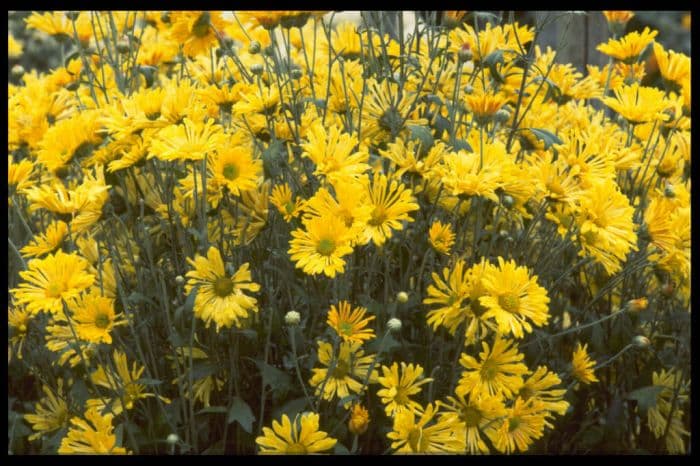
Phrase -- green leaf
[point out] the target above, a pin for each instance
(147, 381)
(461, 144)
(545, 136)
(213, 409)
(423, 135)
(241, 413)
(272, 376)
(272, 159)
(201, 370)
(645, 396)
(340, 449)
(291, 408)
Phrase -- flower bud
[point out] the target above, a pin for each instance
(172, 439)
(636, 305)
(502, 116)
(292, 318)
(17, 71)
(507, 201)
(394, 324)
(256, 68)
(296, 73)
(123, 46)
(254, 47)
(667, 289)
(465, 53)
(640, 341)
(669, 191)
(468, 89)
(402, 297)
(359, 420)
(180, 280)
(72, 15)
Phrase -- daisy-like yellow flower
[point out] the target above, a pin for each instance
(423, 435)
(673, 66)
(474, 416)
(638, 104)
(524, 423)
(234, 167)
(94, 318)
(350, 369)
(287, 205)
(582, 365)
(47, 242)
(51, 412)
(18, 319)
(606, 226)
(187, 141)
(359, 420)
(221, 297)
(474, 173)
(19, 175)
(391, 201)
(334, 153)
(617, 20)
(202, 388)
(194, 30)
(92, 435)
(349, 204)
(14, 47)
(500, 370)
(629, 47)
(51, 280)
(257, 100)
(300, 437)
(539, 387)
(514, 299)
(60, 339)
(320, 247)
(441, 237)
(658, 415)
(123, 385)
(397, 389)
(484, 105)
(350, 324)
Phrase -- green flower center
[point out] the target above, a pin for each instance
(378, 216)
(230, 171)
(471, 416)
(513, 423)
(509, 302)
(200, 28)
(102, 320)
(289, 207)
(325, 247)
(525, 393)
(346, 328)
(342, 368)
(223, 286)
(54, 290)
(489, 369)
(296, 449)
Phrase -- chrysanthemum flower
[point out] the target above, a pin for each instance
(348, 204)
(397, 389)
(194, 30)
(50, 281)
(60, 339)
(524, 423)
(514, 299)
(629, 47)
(359, 420)
(423, 435)
(474, 173)
(474, 416)
(638, 104)
(256, 100)
(287, 205)
(441, 237)
(122, 383)
(673, 66)
(92, 435)
(19, 175)
(321, 247)
(391, 202)
(300, 437)
(539, 386)
(499, 371)
(234, 167)
(350, 369)
(51, 412)
(606, 225)
(18, 319)
(94, 318)
(221, 297)
(47, 242)
(350, 324)
(582, 365)
(658, 415)
(202, 388)
(484, 104)
(334, 153)
(385, 113)
(187, 141)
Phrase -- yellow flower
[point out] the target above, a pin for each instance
(51, 412)
(221, 297)
(19, 175)
(629, 47)
(397, 389)
(441, 237)
(285, 202)
(499, 371)
(484, 104)
(349, 370)
(123, 383)
(391, 203)
(48, 242)
(539, 388)
(359, 420)
(350, 324)
(194, 30)
(257, 100)
(299, 437)
(349, 204)
(94, 318)
(51, 280)
(14, 47)
(202, 388)
(474, 173)
(423, 435)
(617, 20)
(582, 365)
(18, 319)
(513, 299)
(234, 167)
(673, 66)
(187, 141)
(60, 339)
(658, 415)
(474, 416)
(524, 423)
(385, 113)
(94, 435)
(334, 153)
(638, 104)
(321, 247)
